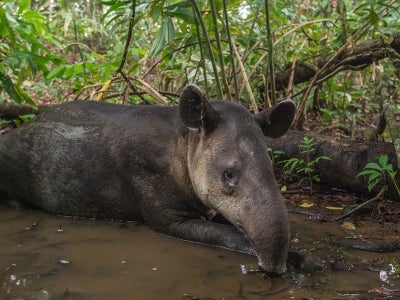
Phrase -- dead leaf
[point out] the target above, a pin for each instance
(348, 226)
(334, 207)
(305, 203)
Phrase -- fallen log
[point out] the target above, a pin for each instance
(357, 57)
(348, 158)
(12, 110)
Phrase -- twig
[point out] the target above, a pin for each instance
(230, 41)
(168, 55)
(377, 197)
(245, 78)
(150, 90)
(78, 44)
(219, 49)
(270, 61)
(291, 79)
(200, 19)
(128, 38)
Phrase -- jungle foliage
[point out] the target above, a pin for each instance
(145, 51)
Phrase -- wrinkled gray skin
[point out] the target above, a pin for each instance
(167, 166)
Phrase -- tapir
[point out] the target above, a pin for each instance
(171, 167)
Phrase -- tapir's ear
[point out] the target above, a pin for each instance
(194, 109)
(275, 121)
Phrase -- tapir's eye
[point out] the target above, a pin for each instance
(228, 175)
(229, 181)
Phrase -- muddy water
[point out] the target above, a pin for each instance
(50, 257)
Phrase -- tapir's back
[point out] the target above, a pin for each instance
(77, 158)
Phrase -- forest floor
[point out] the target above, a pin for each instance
(375, 227)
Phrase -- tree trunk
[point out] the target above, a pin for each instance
(348, 158)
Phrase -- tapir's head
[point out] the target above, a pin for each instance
(231, 171)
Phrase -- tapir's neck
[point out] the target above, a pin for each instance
(180, 165)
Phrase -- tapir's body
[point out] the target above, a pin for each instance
(166, 166)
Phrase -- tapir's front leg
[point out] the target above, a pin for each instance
(189, 226)
(205, 232)
(225, 236)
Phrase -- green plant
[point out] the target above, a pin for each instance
(380, 173)
(275, 155)
(26, 45)
(18, 121)
(304, 167)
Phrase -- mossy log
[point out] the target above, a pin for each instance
(348, 158)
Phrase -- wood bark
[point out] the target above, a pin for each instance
(348, 158)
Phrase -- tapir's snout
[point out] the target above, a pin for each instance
(268, 230)
(274, 273)
(271, 270)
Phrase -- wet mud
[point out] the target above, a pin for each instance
(43, 256)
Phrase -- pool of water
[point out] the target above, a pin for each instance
(43, 256)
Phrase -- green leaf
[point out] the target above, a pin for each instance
(292, 162)
(116, 6)
(308, 170)
(375, 176)
(373, 166)
(23, 5)
(316, 178)
(10, 88)
(372, 184)
(373, 17)
(383, 160)
(165, 34)
(368, 172)
(180, 10)
(5, 28)
(69, 71)
(322, 158)
(27, 117)
(78, 68)
(158, 43)
(169, 30)
(56, 72)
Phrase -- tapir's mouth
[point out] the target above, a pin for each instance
(271, 259)
(270, 247)
(270, 268)
(273, 273)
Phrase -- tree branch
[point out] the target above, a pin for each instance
(128, 37)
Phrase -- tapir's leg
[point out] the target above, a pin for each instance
(227, 236)
(205, 232)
